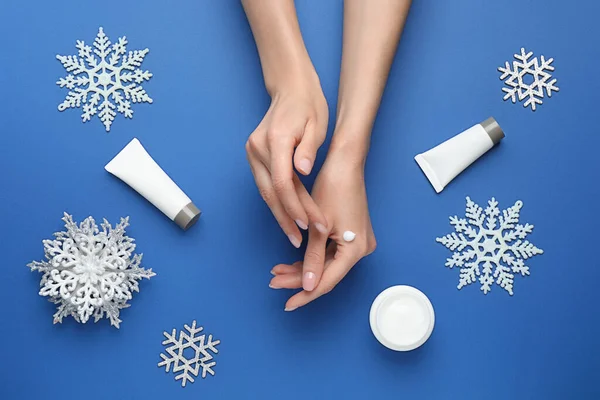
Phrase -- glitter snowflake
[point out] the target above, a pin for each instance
(489, 246)
(190, 366)
(535, 71)
(104, 78)
(90, 271)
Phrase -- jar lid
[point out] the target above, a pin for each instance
(402, 318)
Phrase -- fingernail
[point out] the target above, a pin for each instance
(290, 309)
(305, 165)
(274, 287)
(273, 272)
(301, 224)
(309, 281)
(294, 241)
(321, 228)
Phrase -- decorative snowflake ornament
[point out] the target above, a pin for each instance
(528, 79)
(200, 347)
(489, 246)
(90, 271)
(104, 78)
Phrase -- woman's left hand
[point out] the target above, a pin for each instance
(340, 193)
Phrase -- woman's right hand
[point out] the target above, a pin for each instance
(289, 135)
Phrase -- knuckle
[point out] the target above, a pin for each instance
(312, 257)
(273, 137)
(267, 195)
(319, 135)
(252, 144)
(280, 184)
(371, 247)
(279, 136)
(276, 130)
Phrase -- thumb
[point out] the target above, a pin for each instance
(306, 151)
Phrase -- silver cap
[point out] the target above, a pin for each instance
(187, 216)
(493, 130)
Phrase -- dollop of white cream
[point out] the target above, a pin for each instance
(349, 236)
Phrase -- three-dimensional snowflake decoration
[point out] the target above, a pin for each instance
(200, 346)
(90, 271)
(489, 246)
(528, 78)
(104, 78)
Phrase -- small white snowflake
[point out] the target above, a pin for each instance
(90, 271)
(190, 366)
(489, 245)
(103, 74)
(537, 71)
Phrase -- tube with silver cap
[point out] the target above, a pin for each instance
(445, 161)
(134, 166)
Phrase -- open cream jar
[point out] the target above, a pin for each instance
(402, 318)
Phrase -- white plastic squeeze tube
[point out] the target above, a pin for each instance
(134, 166)
(445, 161)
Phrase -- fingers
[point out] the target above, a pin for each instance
(274, 148)
(315, 216)
(287, 281)
(263, 181)
(296, 268)
(334, 273)
(314, 259)
(282, 269)
(282, 174)
(306, 152)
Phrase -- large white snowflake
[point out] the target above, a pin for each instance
(189, 366)
(488, 246)
(104, 78)
(528, 79)
(90, 271)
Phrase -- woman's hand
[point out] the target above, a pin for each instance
(289, 135)
(371, 33)
(297, 118)
(340, 193)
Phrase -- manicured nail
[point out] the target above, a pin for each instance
(305, 165)
(273, 272)
(294, 241)
(301, 224)
(309, 281)
(274, 287)
(321, 228)
(290, 309)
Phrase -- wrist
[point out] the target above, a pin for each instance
(290, 74)
(350, 145)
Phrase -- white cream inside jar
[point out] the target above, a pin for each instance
(402, 318)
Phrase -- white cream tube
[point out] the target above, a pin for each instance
(134, 166)
(445, 161)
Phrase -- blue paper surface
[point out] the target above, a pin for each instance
(208, 96)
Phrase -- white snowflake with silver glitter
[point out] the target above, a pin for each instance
(489, 246)
(103, 79)
(539, 79)
(90, 271)
(201, 346)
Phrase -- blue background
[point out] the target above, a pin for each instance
(208, 96)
